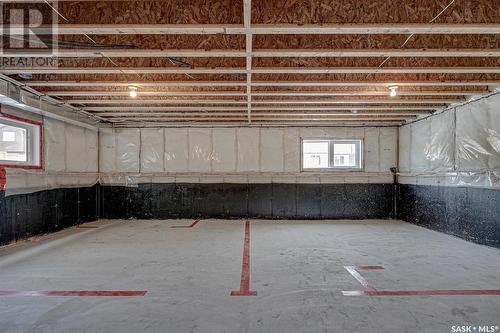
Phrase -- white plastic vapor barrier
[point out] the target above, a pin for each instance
(457, 147)
(152, 143)
(70, 160)
(131, 156)
(176, 150)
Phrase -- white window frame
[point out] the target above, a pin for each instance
(33, 142)
(331, 141)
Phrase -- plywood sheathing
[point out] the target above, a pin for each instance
(163, 42)
(376, 61)
(153, 12)
(335, 42)
(369, 11)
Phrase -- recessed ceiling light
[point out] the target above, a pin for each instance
(132, 91)
(393, 91)
(25, 76)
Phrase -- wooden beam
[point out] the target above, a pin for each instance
(381, 28)
(126, 53)
(270, 123)
(120, 70)
(156, 53)
(147, 93)
(371, 83)
(216, 93)
(423, 109)
(261, 70)
(258, 83)
(267, 29)
(288, 101)
(138, 84)
(180, 114)
(247, 22)
(242, 118)
(377, 53)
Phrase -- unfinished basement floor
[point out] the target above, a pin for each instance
(309, 276)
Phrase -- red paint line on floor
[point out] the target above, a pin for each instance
(361, 279)
(369, 267)
(195, 222)
(79, 226)
(77, 293)
(245, 267)
(421, 292)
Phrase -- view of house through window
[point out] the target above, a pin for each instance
(19, 142)
(331, 154)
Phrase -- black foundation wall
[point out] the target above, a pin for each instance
(467, 212)
(26, 215)
(274, 201)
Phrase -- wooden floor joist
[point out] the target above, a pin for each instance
(267, 83)
(268, 29)
(423, 109)
(216, 93)
(279, 53)
(288, 101)
(261, 70)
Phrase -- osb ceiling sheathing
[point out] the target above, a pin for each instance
(222, 62)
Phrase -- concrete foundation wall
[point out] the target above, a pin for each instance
(271, 200)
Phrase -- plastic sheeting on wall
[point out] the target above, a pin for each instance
(152, 148)
(440, 149)
(224, 150)
(127, 150)
(55, 145)
(70, 160)
(271, 150)
(200, 149)
(478, 135)
(176, 149)
(462, 145)
(234, 154)
(248, 143)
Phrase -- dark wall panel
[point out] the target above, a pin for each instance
(468, 212)
(298, 201)
(26, 215)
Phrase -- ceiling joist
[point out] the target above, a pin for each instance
(220, 93)
(268, 83)
(279, 53)
(260, 70)
(266, 29)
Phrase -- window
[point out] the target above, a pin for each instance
(331, 154)
(19, 142)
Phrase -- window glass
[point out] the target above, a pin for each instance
(332, 154)
(344, 154)
(315, 154)
(19, 142)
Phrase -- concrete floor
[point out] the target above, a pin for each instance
(297, 269)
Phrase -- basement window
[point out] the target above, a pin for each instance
(331, 154)
(19, 142)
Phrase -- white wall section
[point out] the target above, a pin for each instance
(235, 154)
